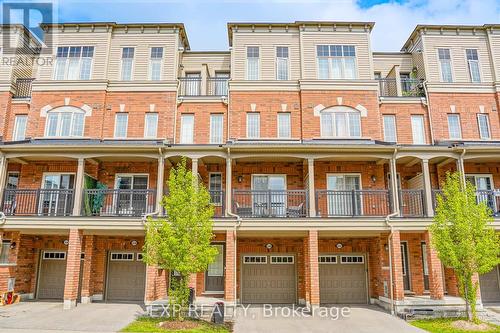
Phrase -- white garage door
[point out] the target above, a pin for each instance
(342, 279)
(268, 279)
(126, 280)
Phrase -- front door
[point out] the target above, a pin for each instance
(214, 276)
(128, 201)
(343, 195)
(56, 197)
(425, 267)
(269, 195)
(405, 264)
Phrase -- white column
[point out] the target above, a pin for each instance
(228, 193)
(461, 170)
(394, 184)
(77, 207)
(399, 88)
(3, 174)
(427, 188)
(194, 170)
(160, 183)
(312, 191)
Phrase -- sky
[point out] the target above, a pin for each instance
(205, 21)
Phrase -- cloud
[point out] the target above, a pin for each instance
(206, 20)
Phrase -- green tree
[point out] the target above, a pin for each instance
(181, 241)
(463, 236)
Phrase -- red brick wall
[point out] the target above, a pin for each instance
(403, 113)
(292, 170)
(415, 261)
(201, 112)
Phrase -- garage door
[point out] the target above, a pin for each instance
(51, 275)
(490, 286)
(126, 278)
(342, 279)
(268, 279)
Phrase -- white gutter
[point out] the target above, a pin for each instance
(431, 131)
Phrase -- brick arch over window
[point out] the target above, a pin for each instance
(340, 122)
(65, 121)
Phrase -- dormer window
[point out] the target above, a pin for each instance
(65, 122)
(340, 122)
(73, 63)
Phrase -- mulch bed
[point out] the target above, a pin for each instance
(468, 326)
(179, 325)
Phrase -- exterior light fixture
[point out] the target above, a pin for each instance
(133, 242)
(13, 245)
(374, 178)
(240, 178)
(339, 245)
(269, 246)
(66, 242)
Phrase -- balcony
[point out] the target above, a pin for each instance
(283, 204)
(38, 202)
(23, 88)
(373, 203)
(490, 197)
(218, 200)
(118, 202)
(411, 203)
(390, 87)
(197, 87)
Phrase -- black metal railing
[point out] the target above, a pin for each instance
(490, 197)
(190, 86)
(285, 203)
(23, 88)
(218, 199)
(217, 86)
(39, 202)
(353, 203)
(411, 203)
(388, 87)
(193, 86)
(118, 202)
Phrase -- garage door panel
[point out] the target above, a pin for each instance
(51, 276)
(126, 280)
(489, 286)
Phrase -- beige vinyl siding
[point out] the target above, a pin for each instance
(359, 39)
(195, 62)
(457, 45)
(97, 39)
(267, 42)
(495, 50)
(142, 43)
(6, 70)
(384, 63)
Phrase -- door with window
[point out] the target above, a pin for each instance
(269, 195)
(425, 267)
(56, 196)
(131, 198)
(192, 84)
(484, 187)
(405, 265)
(9, 200)
(343, 195)
(214, 276)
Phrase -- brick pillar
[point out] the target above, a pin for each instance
(313, 268)
(397, 267)
(72, 268)
(230, 267)
(87, 283)
(193, 280)
(435, 270)
(156, 283)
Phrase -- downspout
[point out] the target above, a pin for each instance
(462, 168)
(3, 218)
(145, 216)
(431, 131)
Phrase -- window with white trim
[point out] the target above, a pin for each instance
(336, 61)
(327, 259)
(417, 129)
(215, 188)
(65, 122)
(54, 255)
(4, 251)
(216, 268)
(390, 134)
(253, 59)
(73, 63)
(255, 259)
(139, 256)
(187, 128)
(282, 63)
(127, 63)
(155, 62)
(284, 125)
(20, 123)
(352, 259)
(151, 125)
(473, 64)
(121, 125)
(342, 123)
(253, 125)
(282, 260)
(483, 122)
(122, 256)
(454, 129)
(216, 128)
(445, 65)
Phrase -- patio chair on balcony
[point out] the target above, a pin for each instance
(243, 210)
(295, 211)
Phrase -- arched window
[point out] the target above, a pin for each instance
(340, 122)
(66, 121)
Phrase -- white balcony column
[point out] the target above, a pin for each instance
(394, 185)
(461, 170)
(194, 170)
(160, 183)
(3, 175)
(312, 191)
(427, 188)
(80, 173)
(399, 88)
(229, 198)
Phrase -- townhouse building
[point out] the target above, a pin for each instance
(323, 159)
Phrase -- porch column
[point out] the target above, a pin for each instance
(230, 267)
(399, 88)
(397, 266)
(312, 191)
(394, 185)
(77, 202)
(435, 269)
(3, 175)
(229, 198)
(87, 269)
(461, 170)
(427, 188)
(160, 183)
(312, 269)
(194, 170)
(72, 268)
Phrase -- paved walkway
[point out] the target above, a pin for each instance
(491, 313)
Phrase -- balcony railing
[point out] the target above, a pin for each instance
(194, 87)
(23, 88)
(286, 203)
(411, 203)
(490, 197)
(39, 202)
(118, 202)
(353, 203)
(217, 86)
(218, 199)
(388, 87)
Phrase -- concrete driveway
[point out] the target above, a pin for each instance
(362, 319)
(50, 316)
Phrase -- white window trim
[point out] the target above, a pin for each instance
(146, 125)
(419, 116)
(259, 74)
(79, 64)
(248, 127)
(15, 131)
(482, 175)
(255, 263)
(334, 257)
(54, 251)
(479, 115)
(478, 65)
(276, 62)
(183, 116)
(395, 126)
(333, 124)
(278, 125)
(118, 175)
(122, 253)
(138, 254)
(115, 136)
(267, 175)
(459, 126)
(282, 263)
(150, 67)
(439, 65)
(221, 183)
(352, 263)
(330, 74)
(58, 127)
(132, 69)
(210, 128)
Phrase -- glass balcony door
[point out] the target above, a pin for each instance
(342, 200)
(269, 195)
(55, 197)
(484, 186)
(130, 198)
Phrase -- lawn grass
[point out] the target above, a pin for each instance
(150, 325)
(443, 325)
